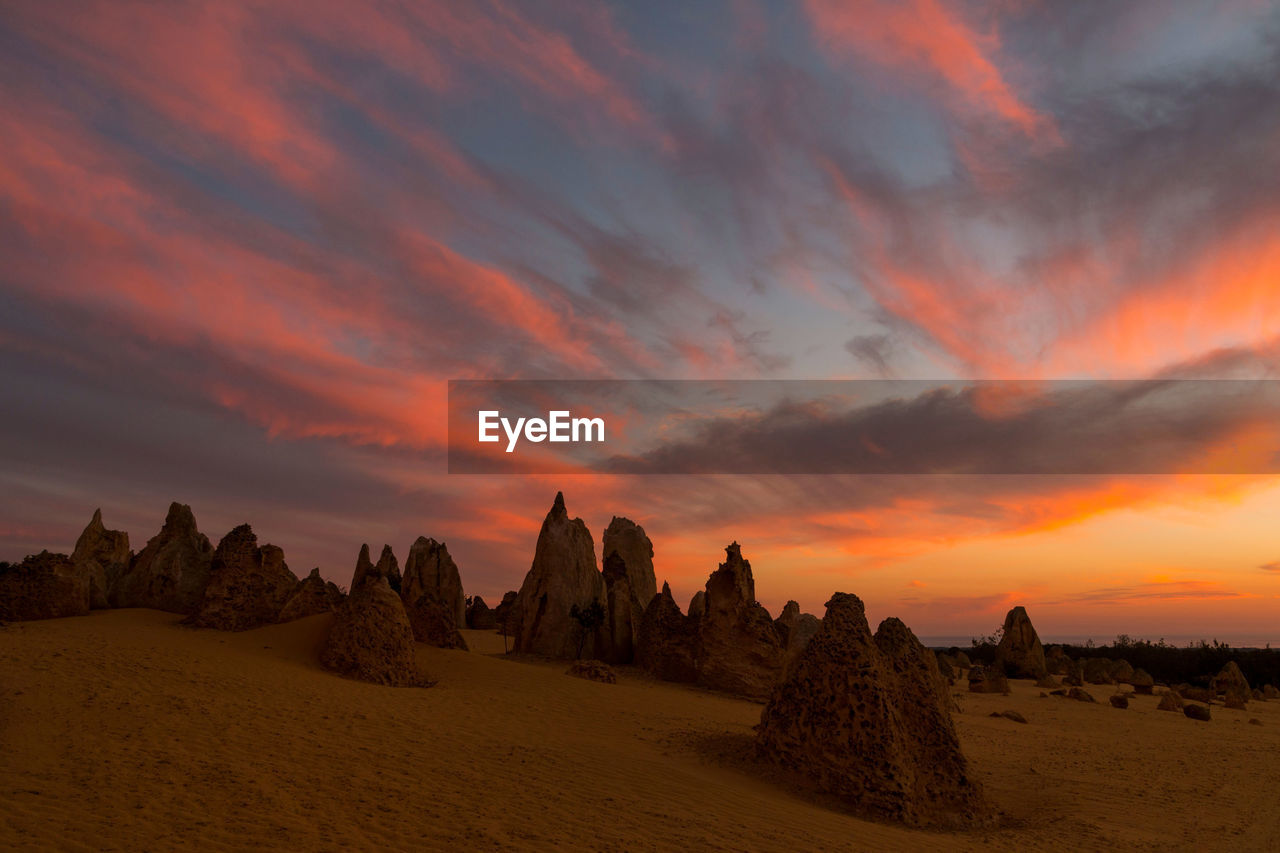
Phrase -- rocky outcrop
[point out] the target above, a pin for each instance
(479, 616)
(43, 586)
(432, 593)
(797, 630)
(740, 650)
(563, 576)
(103, 556)
(248, 586)
(1231, 684)
(1020, 654)
(592, 670)
(867, 719)
(371, 639)
(311, 596)
(171, 571)
(667, 641)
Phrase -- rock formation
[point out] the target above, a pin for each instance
(563, 575)
(171, 571)
(43, 586)
(592, 670)
(1020, 654)
(624, 612)
(505, 614)
(797, 630)
(480, 617)
(248, 586)
(984, 680)
(311, 596)
(1119, 700)
(666, 643)
(1080, 695)
(867, 719)
(371, 639)
(740, 650)
(1121, 671)
(1170, 701)
(1196, 712)
(1143, 683)
(1231, 684)
(103, 555)
(1098, 671)
(432, 593)
(1269, 691)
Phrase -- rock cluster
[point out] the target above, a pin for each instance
(867, 719)
(431, 589)
(1020, 654)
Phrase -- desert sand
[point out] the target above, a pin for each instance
(124, 730)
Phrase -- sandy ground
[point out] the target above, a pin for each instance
(122, 730)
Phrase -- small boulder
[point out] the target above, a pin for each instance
(1232, 684)
(1119, 700)
(592, 670)
(1196, 712)
(1169, 701)
(1080, 695)
(983, 680)
(1098, 671)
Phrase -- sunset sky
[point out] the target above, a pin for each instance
(244, 246)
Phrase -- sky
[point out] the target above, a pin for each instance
(245, 245)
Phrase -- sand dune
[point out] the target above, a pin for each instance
(124, 731)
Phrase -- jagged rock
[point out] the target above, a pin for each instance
(432, 593)
(171, 571)
(1020, 653)
(1121, 671)
(248, 586)
(1080, 695)
(667, 641)
(868, 719)
(1011, 715)
(43, 586)
(740, 650)
(1098, 671)
(563, 575)
(311, 596)
(504, 615)
(1170, 701)
(371, 639)
(1143, 683)
(1197, 712)
(1119, 700)
(103, 555)
(629, 583)
(983, 680)
(698, 604)
(480, 617)
(1231, 684)
(592, 670)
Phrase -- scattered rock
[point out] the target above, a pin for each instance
(1119, 700)
(171, 571)
(103, 555)
(1197, 712)
(312, 596)
(1170, 701)
(983, 680)
(431, 590)
(563, 575)
(1080, 695)
(740, 650)
(43, 586)
(1143, 683)
(592, 670)
(248, 586)
(866, 718)
(1235, 701)
(371, 638)
(1012, 715)
(479, 616)
(1020, 653)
